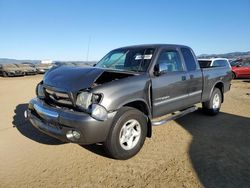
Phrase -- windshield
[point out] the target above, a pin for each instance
(234, 63)
(242, 62)
(133, 59)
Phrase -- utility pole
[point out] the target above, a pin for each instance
(87, 56)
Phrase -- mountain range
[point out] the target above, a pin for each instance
(231, 55)
(17, 61)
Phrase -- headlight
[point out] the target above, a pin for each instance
(84, 100)
(40, 91)
(99, 112)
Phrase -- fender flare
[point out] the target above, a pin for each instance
(221, 89)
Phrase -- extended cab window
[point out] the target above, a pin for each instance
(189, 59)
(170, 60)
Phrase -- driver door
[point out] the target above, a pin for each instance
(170, 86)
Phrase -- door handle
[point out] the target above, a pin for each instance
(183, 78)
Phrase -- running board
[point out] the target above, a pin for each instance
(175, 116)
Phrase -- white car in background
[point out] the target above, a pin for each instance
(214, 62)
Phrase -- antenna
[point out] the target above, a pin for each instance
(87, 56)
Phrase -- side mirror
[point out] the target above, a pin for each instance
(160, 69)
(238, 65)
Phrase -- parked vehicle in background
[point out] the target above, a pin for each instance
(27, 69)
(58, 64)
(214, 62)
(117, 101)
(42, 68)
(79, 64)
(69, 63)
(241, 68)
(28, 63)
(10, 70)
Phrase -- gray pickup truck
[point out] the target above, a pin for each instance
(117, 101)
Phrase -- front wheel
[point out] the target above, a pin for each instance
(212, 106)
(127, 134)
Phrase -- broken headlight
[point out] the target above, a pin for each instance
(84, 100)
(89, 101)
(99, 112)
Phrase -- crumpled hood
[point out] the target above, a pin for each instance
(72, 78)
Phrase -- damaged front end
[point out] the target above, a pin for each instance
(71, 88)
(69, 107)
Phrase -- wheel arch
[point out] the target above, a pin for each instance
(220, 86)
(144, 108)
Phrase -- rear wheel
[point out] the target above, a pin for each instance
(212, 106)
(127, 134)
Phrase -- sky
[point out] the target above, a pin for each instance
(63, 29)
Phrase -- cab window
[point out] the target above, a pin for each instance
(170, 61)
(189, 59)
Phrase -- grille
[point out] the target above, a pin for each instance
(58, 98)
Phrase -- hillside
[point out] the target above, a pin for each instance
(7, 61)
(16, 61)
(232, 55)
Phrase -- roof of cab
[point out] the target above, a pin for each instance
(154, 46)
(212, 59)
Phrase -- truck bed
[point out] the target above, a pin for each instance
(213, 75)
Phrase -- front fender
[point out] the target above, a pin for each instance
(121, 92)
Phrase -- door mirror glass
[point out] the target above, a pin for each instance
(160, 68)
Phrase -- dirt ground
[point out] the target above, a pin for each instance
(194, 151)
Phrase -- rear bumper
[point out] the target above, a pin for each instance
(58, 122)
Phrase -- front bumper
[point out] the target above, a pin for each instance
(57, 122)
(41, 71)
(15, 73)
(30, 72)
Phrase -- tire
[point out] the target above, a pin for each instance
(5, 74)
(124, 142)
(212, 107)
